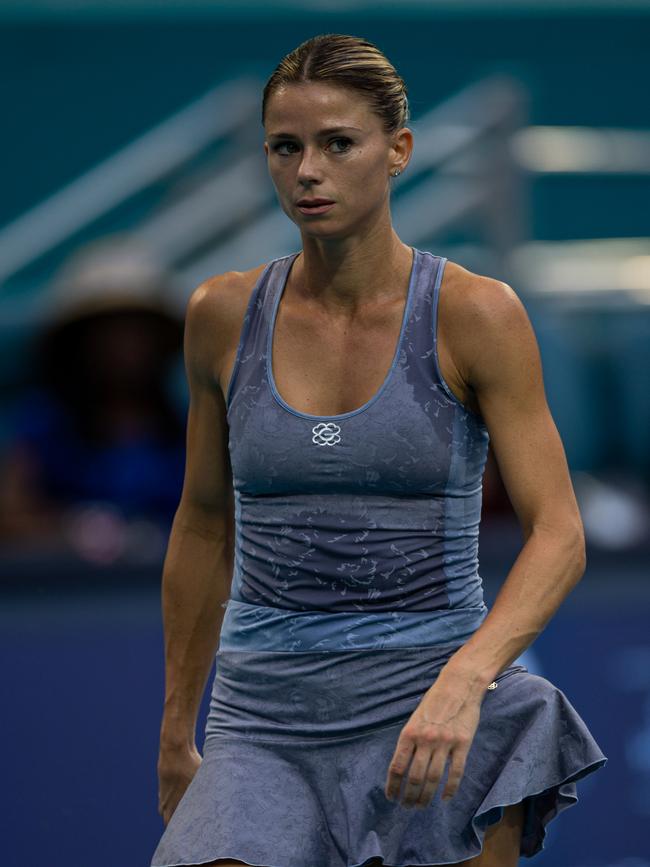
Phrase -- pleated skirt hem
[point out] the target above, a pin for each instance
(271, 796)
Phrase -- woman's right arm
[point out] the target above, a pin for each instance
(197, 570)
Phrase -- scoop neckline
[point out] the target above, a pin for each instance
(269, 361)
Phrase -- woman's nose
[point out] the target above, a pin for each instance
(309, 164)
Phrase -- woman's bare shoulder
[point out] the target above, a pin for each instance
(223, 296)
(475, 300)
(465, 287)
(216, 309)
(477, 313)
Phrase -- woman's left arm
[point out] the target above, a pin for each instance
(497, 355)
(503, 367)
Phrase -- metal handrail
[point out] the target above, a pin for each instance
(461, 165)
(143, 162)
(466, 135)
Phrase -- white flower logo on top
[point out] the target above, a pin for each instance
(326, 434)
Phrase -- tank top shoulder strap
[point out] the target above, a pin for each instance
(435, 302)
(251, 348)
(421, 336)
(439, 269)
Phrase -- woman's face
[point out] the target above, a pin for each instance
(350, 165)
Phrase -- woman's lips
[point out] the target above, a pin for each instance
(315, 209)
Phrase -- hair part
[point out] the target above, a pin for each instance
(347, 62)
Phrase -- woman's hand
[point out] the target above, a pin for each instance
(176, 769)
(442, 726)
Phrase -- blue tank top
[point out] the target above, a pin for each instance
(358, 530)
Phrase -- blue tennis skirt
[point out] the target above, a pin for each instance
(296, 755)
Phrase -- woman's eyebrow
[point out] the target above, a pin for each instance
(321, 132)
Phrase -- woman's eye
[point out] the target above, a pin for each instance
(347, 141)
(283, 144)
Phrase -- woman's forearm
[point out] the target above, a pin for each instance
(196, 583)
(547, 568)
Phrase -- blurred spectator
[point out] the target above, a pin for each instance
(97, 446)
(496, 505)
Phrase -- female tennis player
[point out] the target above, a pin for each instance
(366, 708)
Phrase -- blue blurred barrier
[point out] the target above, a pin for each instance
(595, 364)
(83, 690)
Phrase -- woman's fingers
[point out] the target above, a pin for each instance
(433, 776)
(434, 734)
(426, 771)
(399, 763)
(417, 777)
(456, 770)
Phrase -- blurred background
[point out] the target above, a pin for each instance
(132, 170)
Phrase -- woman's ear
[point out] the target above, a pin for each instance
(402, 147)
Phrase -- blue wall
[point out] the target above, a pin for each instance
(77, 90)
(83, 688)
(83, 673)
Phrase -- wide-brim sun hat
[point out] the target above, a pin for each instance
(102, 281)
(113, 273)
